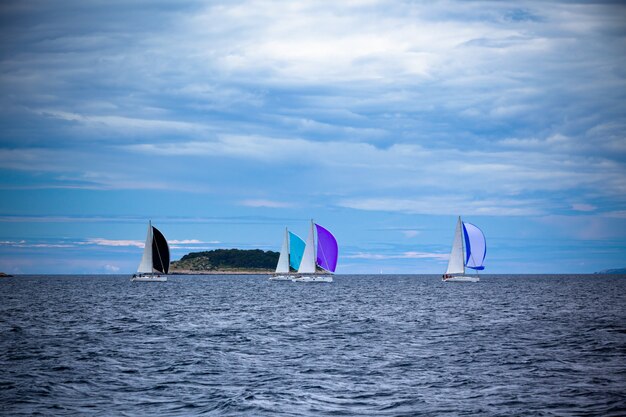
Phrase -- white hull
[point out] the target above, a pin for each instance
(313, 278)
(461, 279)
(281, 278)
(149, 278)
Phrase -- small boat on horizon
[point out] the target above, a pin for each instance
(156, 258)
(324, 255)
(290, 257)
(468, 251)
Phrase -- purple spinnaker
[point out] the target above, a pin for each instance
(327, 250)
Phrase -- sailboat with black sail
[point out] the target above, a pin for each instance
(155, 262)
(468, 251)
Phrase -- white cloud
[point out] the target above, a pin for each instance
(122, 123)
(111, 242)
(267, 203)
(111, 269)
(25, 244)
(140, 243)
(412, 107)
(493, 180)
(404, 255)
(446, 205)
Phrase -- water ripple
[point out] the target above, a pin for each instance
(365, 345)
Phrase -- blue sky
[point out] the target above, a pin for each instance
(224, 122)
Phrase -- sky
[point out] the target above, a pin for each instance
(225, 122)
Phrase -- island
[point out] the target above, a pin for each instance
(226, 261)
(621, 271)
(3, 275)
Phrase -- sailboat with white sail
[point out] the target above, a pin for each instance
(468, 251)
(290, 257)
(324, 255)
(156, 258)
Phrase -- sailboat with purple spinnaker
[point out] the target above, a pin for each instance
(324, 255)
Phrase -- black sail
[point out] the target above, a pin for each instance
(160, 252)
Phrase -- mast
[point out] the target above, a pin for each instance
(151, 243)
(462, 244)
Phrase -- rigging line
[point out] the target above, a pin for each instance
(151, 240)
(324, 256)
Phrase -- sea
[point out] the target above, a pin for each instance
(364, 345)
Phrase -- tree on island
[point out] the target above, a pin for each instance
(219, 259)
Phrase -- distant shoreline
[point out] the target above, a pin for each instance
(222, 272)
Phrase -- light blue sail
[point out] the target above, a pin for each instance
(296, 250)
(475, 246)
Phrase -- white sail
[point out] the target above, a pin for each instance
(283, 261)
(145, 266)
(456, 264)
(307, 266)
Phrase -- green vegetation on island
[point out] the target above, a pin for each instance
(226, 261)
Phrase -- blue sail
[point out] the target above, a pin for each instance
(475, 246)
(296, 250)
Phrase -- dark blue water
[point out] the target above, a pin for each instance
(363, 345)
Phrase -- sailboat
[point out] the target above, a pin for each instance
(290, 257)
(468, 251)
(323, 255)
(156, 257)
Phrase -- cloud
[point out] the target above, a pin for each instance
(620, 214)
(25, 244)
(140, 243)
(111, 242)
(266, 203)
(121, 123)
(583, 207)
(589, 227)
(433, 109)
(446, 205)
(404, 255)
(111, 269)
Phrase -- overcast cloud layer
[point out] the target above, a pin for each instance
(374, 117)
